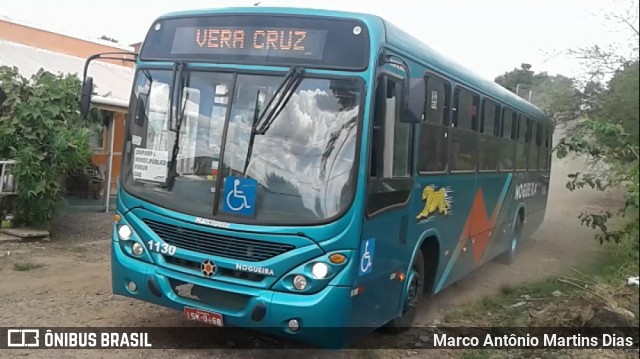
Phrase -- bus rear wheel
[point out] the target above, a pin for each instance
(509, 256)
(415, 289)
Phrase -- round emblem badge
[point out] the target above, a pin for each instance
(208, 268)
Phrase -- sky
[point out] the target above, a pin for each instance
(490, 37)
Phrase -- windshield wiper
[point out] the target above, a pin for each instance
(262, 121)
(289, 84)
(179, 78)
(256, 116)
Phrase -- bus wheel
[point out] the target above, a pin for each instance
(508, 257)
(415, 289)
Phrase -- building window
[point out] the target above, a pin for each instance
(96, 137)
(98, 131)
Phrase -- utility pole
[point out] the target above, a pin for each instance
(518, 90)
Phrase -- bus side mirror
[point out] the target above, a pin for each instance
(413, 102)
(85, 97)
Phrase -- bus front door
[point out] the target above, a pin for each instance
(383, 244)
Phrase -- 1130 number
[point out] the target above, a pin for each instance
(161, 248)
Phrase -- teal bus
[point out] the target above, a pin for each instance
(290, 169)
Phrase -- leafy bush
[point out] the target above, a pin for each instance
(610, 138)
(41, 128)
(609, 135)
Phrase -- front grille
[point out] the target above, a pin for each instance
(185, 263)
(222, 246)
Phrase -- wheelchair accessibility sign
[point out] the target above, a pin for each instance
(366, 256)
(239, 195)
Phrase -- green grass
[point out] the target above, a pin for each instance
(26, 266)
(612, 269)
(500, 305)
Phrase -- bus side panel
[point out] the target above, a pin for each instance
(530, 194)
(385, 256)
(494, 215)
(542, 198)
(443, 202)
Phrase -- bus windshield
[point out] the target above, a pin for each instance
(303, 166)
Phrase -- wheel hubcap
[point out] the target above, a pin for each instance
(413, 294)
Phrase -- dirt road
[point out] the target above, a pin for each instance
(73, 286)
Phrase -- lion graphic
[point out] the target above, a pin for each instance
(434, 200)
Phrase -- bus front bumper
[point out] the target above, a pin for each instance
(321, 318)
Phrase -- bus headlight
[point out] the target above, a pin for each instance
(315, 274)
(320, 270)
(125, 232)
(129, 241)
(299, 282)
(137, 249)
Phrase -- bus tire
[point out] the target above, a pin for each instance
(509, 256)
(414, 293)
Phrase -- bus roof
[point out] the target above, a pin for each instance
(401, 40)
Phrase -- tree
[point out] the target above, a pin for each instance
(589, 99)
(601, 61)
(619, 103)
(608, 132)
(516, 79)
(556, 95)
(41, 128)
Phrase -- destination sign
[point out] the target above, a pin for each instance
(250, 41)
(260, 39)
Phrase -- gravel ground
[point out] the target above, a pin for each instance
(67, 283)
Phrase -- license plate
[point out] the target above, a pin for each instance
(203, 316)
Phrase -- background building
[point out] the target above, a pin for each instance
(30, 47)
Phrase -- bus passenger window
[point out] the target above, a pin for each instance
(397, 135)
(391, 137)
(463, 155)
(433, 141)
(534, 145)
(507, 149)
(490, 122)
(488, 142)
(389, 181)
(378, 129)
(543, 162)
(549, 141)
(437, 104)
(465, 110)
(522, 142)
